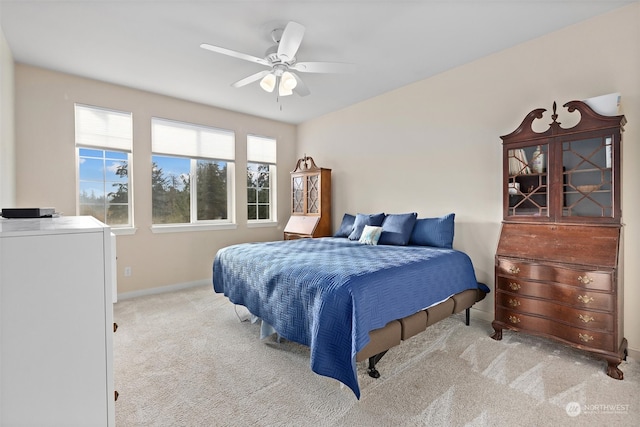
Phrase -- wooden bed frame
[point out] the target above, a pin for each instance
(402, 329)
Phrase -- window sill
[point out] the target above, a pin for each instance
(124, 231)
(260, 224)
(179, 228)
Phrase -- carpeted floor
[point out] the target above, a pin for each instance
(185, 359)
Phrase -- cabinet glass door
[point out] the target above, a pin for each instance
(297, 196)
(527, 185)
(313, 193)
(587, 170)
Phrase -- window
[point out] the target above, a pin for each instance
(261, 178)
(192, 173)
(103, 151)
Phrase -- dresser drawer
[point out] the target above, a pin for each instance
(581, 318)
(571, 295)
(583, 278)
(551, 328)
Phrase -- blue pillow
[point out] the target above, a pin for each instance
(397, 228)
(362, 220)
(370, 235)
(346, 227)
(436, 232)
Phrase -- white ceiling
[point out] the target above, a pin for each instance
(154, 44)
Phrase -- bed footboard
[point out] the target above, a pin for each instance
(381, 340)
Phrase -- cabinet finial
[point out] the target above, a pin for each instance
(306, 163)
(554, 116)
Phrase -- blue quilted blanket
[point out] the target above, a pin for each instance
(328, 293)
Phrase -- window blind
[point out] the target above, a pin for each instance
(188, 140)
(102, 128)
(261, 149)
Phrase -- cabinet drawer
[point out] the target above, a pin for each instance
(571, 295)
(583, 278)
(586, 319)
(548, 327)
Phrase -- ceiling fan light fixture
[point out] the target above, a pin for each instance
(288, 81)
(284, 92)
(268, 82)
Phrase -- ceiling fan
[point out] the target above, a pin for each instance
(282, 62)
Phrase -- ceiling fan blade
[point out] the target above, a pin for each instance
(252, 78)
(324, 67)
(290, 41)
(301, 88)
(235, 54)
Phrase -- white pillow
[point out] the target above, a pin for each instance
(370, 235)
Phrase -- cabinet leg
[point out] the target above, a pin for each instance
(613, 371)
(612, 362)
(497, 335)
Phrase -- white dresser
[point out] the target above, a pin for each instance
(56, 322)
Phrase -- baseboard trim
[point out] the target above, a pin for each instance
(163, 289)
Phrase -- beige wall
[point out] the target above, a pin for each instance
(7, 141)
(434, 146)
(46, 171)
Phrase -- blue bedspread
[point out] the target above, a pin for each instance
(328, 293)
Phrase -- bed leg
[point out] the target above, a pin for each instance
(467, 316)
(373, 372)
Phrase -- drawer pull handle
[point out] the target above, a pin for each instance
(585, 299)
(514, 286)
(585, 337)
(115, 326)
(514, 270)
(514, 319)
(585, 280)
(514, 302)
(586, 318)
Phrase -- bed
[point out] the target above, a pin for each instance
(346, 300)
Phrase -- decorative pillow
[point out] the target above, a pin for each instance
(362, 220)
(436, 232)
(370, 235)
(346, 227)
(397, 228)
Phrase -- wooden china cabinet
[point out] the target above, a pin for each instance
(310, 201)
(557, 263)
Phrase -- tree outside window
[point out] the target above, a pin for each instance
(175, 194)
(104, 185)
(258, 191)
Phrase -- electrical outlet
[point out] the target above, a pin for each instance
(127, 272)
